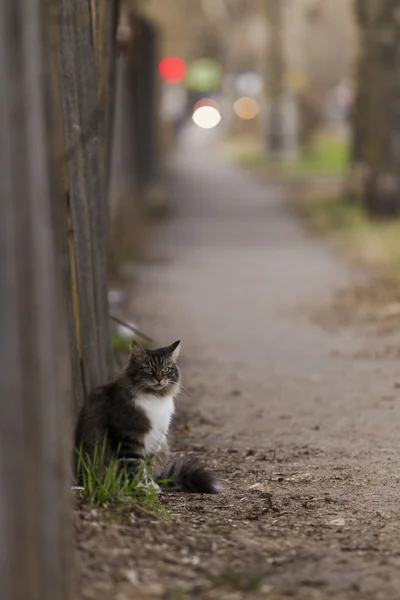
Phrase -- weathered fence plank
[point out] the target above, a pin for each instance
(85, 117)
(35, 376)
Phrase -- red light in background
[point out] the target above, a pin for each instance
(206, 102)
(172, 69)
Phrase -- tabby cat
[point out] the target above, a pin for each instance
(132, 415)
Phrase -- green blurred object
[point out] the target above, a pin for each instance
(326, 156)
(203, 75)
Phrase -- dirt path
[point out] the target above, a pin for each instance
(271, 397)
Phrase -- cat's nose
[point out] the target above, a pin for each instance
(159, 377)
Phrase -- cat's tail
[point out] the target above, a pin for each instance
(188, 474)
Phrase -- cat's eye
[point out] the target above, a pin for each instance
(165, 370)
(148, 369)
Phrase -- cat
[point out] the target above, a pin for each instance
(132, 415)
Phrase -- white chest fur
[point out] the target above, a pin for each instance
(159, 411)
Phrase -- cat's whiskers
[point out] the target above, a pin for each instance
(134, 390)
(187, 393)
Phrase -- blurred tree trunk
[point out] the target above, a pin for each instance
(35, 375)
(275, 73)
(311, 119)
(145, 55)
(375, 175)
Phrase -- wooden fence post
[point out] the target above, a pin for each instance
(83, 50)
(35, 374)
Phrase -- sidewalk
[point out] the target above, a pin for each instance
(272, 397)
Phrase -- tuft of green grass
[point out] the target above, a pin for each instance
(105, 484)
(326, 156)
(122, 347)
(120, 344)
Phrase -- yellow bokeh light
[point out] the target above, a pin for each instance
(246, 108)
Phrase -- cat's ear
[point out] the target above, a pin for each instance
(137, 351)
(174, 350)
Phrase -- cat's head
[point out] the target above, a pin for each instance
(154, 371)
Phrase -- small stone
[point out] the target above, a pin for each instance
(266, 589)
(153, 590)
(339, 522)
(197, 448)
(261, 486)
(132, 577)
(262, 457)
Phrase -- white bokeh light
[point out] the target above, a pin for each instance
(206, 117)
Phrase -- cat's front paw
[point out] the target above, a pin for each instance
(149, 485)
(152, 486)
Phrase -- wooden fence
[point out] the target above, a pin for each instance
(84, 39)
(55, 73)
(57, 110)
(135, 151)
